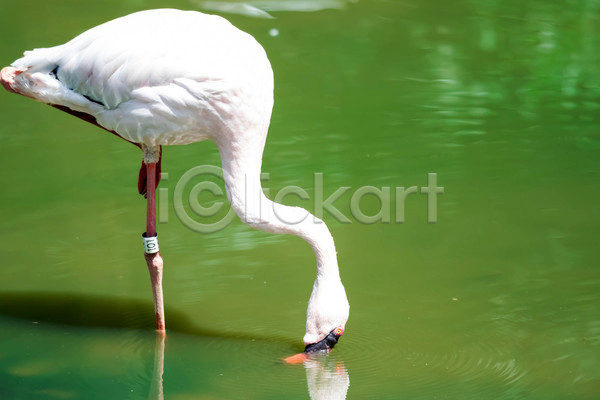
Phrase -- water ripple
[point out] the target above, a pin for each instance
(467, 359)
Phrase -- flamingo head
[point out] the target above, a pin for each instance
(327, 314)
(327, 343)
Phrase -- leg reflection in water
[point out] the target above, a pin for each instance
(327, 379)
(156, 386)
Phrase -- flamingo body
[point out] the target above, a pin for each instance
(158, 77)
(166, 77)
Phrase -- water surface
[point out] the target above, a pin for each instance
(498, 299)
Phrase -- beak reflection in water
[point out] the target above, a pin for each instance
(327, 379)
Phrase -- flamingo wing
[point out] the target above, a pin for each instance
(156, 77)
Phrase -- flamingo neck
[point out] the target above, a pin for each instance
(312, 230)
(255, 209)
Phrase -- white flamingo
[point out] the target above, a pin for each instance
(166, 77)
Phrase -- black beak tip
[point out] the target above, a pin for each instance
(326, 344)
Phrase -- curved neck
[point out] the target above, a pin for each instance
(242, 181)
(299, 222)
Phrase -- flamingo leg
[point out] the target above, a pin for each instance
(154, 260)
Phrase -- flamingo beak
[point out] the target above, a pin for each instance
(327, 343)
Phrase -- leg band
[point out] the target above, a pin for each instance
(150, 244)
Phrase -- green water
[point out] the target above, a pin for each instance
(499, 299)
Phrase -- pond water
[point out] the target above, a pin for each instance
(497, 299)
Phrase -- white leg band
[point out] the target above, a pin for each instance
(150, 244)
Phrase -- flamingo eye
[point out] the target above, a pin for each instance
(338, 331)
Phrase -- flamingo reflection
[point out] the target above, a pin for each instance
(327, 379)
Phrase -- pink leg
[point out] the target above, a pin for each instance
(154, 260)
(155, 266)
